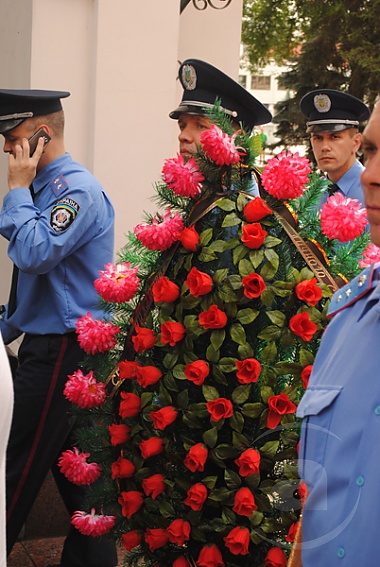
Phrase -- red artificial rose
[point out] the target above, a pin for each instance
(154, 485)
(163, 417)
(197, 371)
(302, 491)
(278, 406)
(172, 332)
(147, 375)
(210, 556)
(292, 531)
(244, 502)
(143, 339)
(248, 462)
(189, 238)
(253, 235)
(248, 370)
(119, 433)
(196, 496)
(308, 291)
(275, 558)
(130, 502)
(199, 283)
(151, 447)
(254, 285)
(196, 457)
(131, 539)
(219, 409)
(181, 562)
(305, 375)
(122, 468)
(165, 290)
(130, 405)
(179, 531)
(256, 210)
(237, 541)
(213, 318)
(301, 326)
(127, 369)
(156, 538)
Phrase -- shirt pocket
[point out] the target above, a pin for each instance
(316, 411)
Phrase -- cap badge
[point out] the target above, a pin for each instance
(189, 77)
(322, 102)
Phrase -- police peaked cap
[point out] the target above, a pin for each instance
(18, 105)
(203, 84)
(328, 110)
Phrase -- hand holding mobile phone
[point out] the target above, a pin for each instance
(33, 140)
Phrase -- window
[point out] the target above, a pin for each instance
(260, 82)
(243, 80)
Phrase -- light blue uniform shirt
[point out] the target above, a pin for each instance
(350, 185)
(59, 243)
(340, 457)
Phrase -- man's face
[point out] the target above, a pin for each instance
(191, 127)
(370, 177)
(335, 152)
(15, 136)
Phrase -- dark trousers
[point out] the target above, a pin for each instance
(40, 431)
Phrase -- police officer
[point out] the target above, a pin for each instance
(333, 120)
(60, 226)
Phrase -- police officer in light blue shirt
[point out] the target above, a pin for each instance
(59, 223)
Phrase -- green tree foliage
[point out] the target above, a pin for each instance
(327, 44)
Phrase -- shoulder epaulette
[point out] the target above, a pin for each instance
(59, 185)
(351, 292)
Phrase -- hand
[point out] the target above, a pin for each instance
(21, 167)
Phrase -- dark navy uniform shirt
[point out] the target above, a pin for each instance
(59, 241)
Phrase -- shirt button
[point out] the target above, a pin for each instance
(377, 410)
(360, 480)
(341, 552)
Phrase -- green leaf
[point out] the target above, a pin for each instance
(277, 317)
(288, 368)
(247, 316)
(256, 257)
(225, 451)
(245, 351)
(212, 355)
(306, 357)
(269, 353)
(272, 258)
(240, 442)
(252, 410)
(170, 360)
(220, 275)
(146, 399)
(217, 338)
(166, 509)
(209, 393)
(268, 272)
(205, 236)
(207, 255)
(199, 409)
(210, 481)
(218, 246)
(241, 394)
(232, 479)
(241, 202)
(267, 296)
(226, 205)
(256, 518)
(271, 241)
(228, 516)
(271, 333)
(236, 422)
(245, 268)
(183, 399)
(210, 437)
(227, 294)
(237, 334)
(170, 383)
(266, 393)
(227, 364)
(270, 449)
(178, 372)
(231, 220)
(239, 253)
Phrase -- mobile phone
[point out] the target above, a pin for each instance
(33, 140)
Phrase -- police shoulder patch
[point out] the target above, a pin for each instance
(63, 214)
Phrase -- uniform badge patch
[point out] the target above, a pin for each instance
(322, 102)
(189, 77)
(63, 214)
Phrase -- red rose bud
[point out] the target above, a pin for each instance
(189, 238)
(122, 468)
(172, 333)
(305, 375)
(130, 502)
(131, 539)
(151, 447)
(278, 406)
(237, 541)
(253, 235)
(292, 532)
(244, 502)
(254, 285)
(248, 370)
(199, 283)
(154, 485)
(256, 210)
(275, 558)
(119, 434)
(301, 326)
(179, 532)
(213, 318)
(308, 291)
(130, 405)
(196, 457)
(144, 339)
(248, 462)
(147, 375)
(163, 417)
(197, 371)
(156, 538)
(181, 562)
(196, 496)
(165, 290)
(127, 369)
(219, 409)
(210, 556)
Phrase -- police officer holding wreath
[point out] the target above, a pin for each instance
(59, 223)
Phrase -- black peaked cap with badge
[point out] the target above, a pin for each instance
(203, 84)
(18, 105)
(329, 110)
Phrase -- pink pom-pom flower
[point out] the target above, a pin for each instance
(371, 255)
(94, 335)
(342, 218)
(76, 469)
(94, 525)
(161, 233)
(183, 178)
(84, 391)
(285, 175)
(220, 147)
(117, 283)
